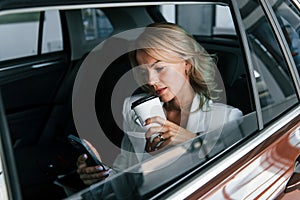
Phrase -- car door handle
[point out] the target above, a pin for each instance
(294, 181)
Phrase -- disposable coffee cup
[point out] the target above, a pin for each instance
(146, 107)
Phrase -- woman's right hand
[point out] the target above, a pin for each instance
(90, 174)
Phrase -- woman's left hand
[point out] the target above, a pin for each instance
(167, 134)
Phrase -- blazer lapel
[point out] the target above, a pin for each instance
(196, 118)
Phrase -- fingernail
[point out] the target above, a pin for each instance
(84, 156)
(106, 173)
(99, 168)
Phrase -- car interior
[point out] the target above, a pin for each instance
(37, 94)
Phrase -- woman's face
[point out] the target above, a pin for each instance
(168, 80)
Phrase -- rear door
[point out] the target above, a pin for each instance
(267, 161)
(261, 166)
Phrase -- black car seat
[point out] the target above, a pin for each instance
(232, 70)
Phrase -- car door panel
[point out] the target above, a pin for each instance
(28, 93)
(263, 172)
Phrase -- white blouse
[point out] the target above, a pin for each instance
(210, 117)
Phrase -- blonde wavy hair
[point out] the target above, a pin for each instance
(170, 43)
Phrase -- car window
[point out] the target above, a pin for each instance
(20, 34)
(273, 80)
(40, 97)
(288, 17)
(52, 33)
(169, 12)
(154, 173)
(96, 24)
(211, 19)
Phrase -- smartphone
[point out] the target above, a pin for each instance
(83, 148)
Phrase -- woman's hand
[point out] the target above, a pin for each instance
(90, 175)
(168, 134)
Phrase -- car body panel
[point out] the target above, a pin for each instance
(264, 172)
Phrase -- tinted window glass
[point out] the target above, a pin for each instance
(205, 19)
(18, 35)
(153, 172)
(168, 11)
(289, 19)
(52, 33)
(273, 81)
(96, 24)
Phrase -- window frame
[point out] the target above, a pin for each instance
(269, 12)
(289, 62)
(216, 162)
(270, 16)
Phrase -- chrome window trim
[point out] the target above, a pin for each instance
(204, 178)
(283, 44)
(34, 66)
(102, 5)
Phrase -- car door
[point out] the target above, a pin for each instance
(264, 165)
(247, 159)
(251, 158)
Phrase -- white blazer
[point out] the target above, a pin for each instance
(211, 117)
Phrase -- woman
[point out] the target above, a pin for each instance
(170, 63)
